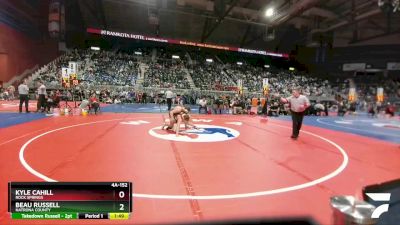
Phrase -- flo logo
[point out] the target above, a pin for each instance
(379, 197)
(204, 133)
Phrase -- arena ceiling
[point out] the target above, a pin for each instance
(243, 22)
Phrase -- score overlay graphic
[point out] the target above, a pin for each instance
(70, 200)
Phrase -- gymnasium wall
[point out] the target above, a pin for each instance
(24, 39)
(19, 52)
(376, 56)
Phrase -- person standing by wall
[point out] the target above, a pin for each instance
(23, 92)
(144, 98)
(94, 103)
(298, 104)
(203, 105)
(169, 95)
(42, 97)
(264, 110)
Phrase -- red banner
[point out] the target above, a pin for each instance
(181, 42)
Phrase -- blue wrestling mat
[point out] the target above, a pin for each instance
(383, 129)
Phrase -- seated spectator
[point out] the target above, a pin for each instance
(352, 108)
(274, 109)
(319, 108)
(109, 100)
(390, 110)
(11, 92)
(371, 110)
(283, 109)
(341, 108)
(49, 102)
(237, 106)
(117, 101)
(5, 95)
(84, 104)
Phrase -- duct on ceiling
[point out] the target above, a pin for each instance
(282, 17)
(344, 23)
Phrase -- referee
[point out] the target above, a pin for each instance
(298, 104)
(23, 92)
(169, 95)
(41, 105)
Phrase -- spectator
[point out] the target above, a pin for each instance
(84, 104)
(341, 108)
(389, 110)
(372, 110)
(274, 109)
(117, 101)
(264, 110)
(6, 95)
(237, 106)
(94, 103)
(144, 98)
(319, 108)
(11, 92)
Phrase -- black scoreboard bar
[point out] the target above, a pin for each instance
(70, 200)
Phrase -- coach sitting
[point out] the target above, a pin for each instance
(84, 104)
(236, 106)
(274, 109)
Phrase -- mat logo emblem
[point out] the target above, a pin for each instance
(137, 122)
(202, 120)
(379, 197)
(387, 125)
(204, 133)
